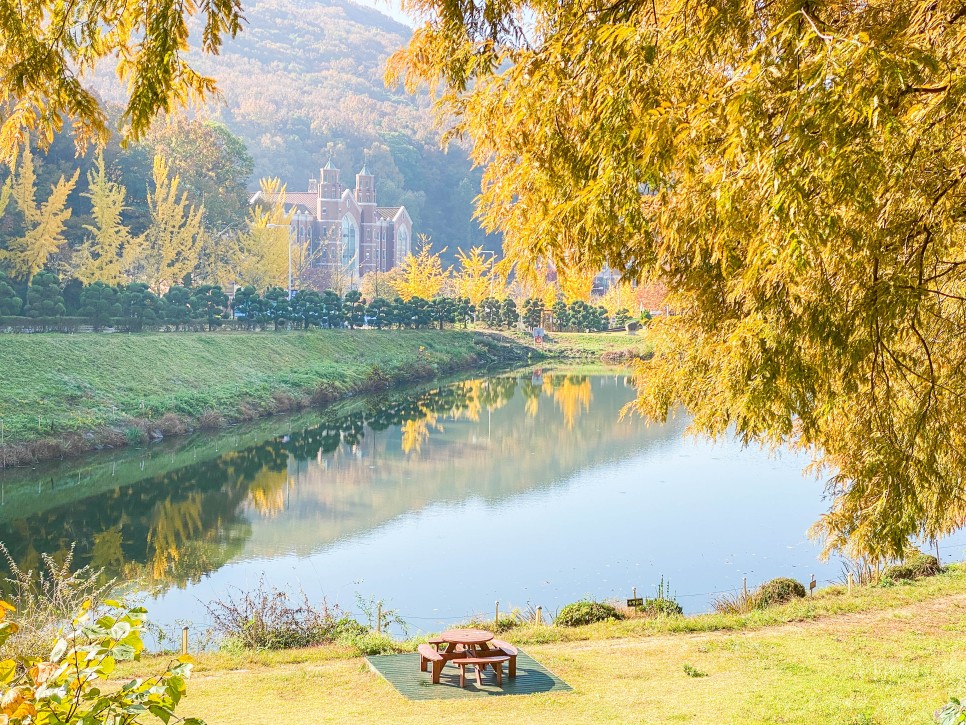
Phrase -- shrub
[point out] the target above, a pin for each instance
(267, 619)
(692, 671)
(372, 643)
(778, 591)
(663, 605)
(914, 566)
(586, 612)
(69, 683)
(954, 713)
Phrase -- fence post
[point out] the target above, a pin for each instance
(379, 618)
(184, 640)
(850, 582)
(744, 586)
(496, 619)
(539, 615)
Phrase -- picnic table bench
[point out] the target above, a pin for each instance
(465, 647)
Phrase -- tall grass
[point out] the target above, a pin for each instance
(48, 598)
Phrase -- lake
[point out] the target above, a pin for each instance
(527, 488)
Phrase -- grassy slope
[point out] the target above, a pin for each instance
(880, 656)
(62, 383)
(594, 345)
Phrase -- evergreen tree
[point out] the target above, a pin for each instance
(332, 310)
(278, 307)
(491, 312)
(442, 309)
(379, 313)
(621, 317)
(464, 311)
(10, 303)
(508, 313)
(246, 305)
(100, 304)
(532, 312)
(44, 297)
(355, 308)
(561, 315)
(176, 307)
(209, 303)
(139, 305)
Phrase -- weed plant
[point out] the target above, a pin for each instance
(48, 598)
(265, 618)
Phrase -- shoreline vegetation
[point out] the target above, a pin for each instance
(65, 395)
(883, 653)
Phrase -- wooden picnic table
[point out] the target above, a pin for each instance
(468, 647)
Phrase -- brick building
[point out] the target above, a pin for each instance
(345, 229)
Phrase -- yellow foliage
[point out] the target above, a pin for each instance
(168, 251)
(476, 278)
(422, 274)
(44, 224)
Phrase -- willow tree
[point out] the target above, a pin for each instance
(49, 48)
(795, 172)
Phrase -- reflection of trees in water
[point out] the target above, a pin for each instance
(176, 527)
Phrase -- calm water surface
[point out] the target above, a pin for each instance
(527, 488)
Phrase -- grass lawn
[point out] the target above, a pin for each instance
(596, 344)
(892, 655)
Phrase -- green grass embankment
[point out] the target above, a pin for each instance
(65, 394)
(616, 347)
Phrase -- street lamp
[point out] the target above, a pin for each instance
(289, 227)
(492, 262)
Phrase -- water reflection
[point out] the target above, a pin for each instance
(175, 513)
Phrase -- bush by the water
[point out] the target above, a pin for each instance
(268, 619)
(663, 605)
(586, 612)
(778, 591)
(914, 566)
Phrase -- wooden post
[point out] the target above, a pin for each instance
(379, 618)
(184, 640)
(744, 586)
(496, 619)
(850, 583)
(539, 615)
(811, 585)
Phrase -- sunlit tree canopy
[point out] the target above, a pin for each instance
(795, 172)
(48, 49)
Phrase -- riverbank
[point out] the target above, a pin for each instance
(62, 395)
(880, 655)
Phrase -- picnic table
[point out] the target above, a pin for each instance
(464, 647)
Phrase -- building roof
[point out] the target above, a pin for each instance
(387, 212)
(305, 198)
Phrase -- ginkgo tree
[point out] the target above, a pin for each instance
(795, 173)
(43, 223)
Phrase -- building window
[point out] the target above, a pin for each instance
(349, 235)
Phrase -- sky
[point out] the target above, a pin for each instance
(388, 7)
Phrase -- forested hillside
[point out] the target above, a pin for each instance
(305, 78)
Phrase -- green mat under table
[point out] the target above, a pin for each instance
(403, 673)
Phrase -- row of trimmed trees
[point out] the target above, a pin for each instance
(47, 304)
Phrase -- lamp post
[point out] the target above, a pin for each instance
(289, 227)
(492, 262)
